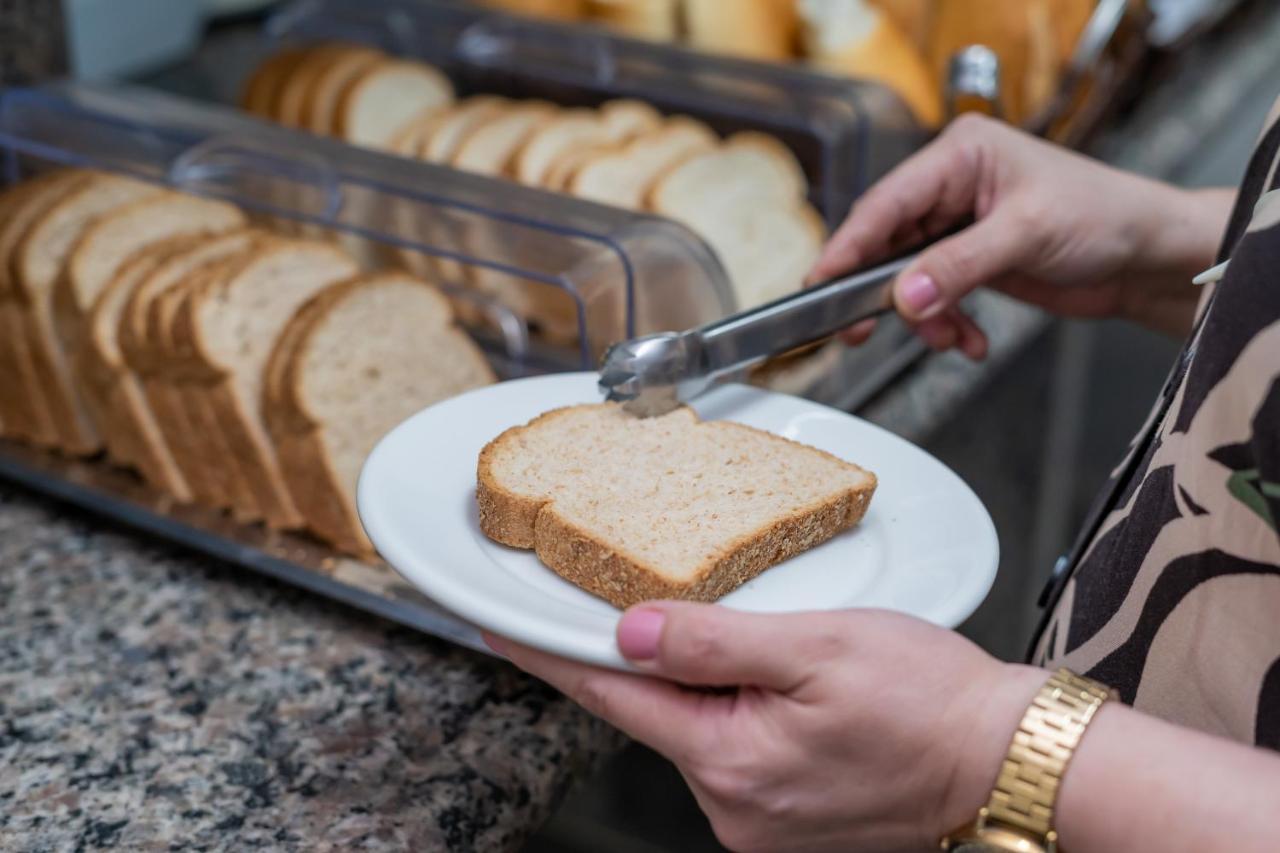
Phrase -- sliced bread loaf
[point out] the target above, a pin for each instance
(623, 178)
(328, 404)
(637, 509)
(386, 96)
(37, 263)
(231, 325)
(23, 406)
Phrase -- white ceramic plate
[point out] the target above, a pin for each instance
(926, 546)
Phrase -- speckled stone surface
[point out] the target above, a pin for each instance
(151, 700)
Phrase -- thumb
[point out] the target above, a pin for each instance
(713, 646)
(947, 271)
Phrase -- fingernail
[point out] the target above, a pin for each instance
(919, 292)
(639, 632)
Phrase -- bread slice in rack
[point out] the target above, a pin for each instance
(261, 91)
(147, 357)
(299, 88)
(329, 404)
(386, 96)
(320, 111)
(447, 134)
(626, 118)
(624, 177)
(24, 408)
(107, 243)
(229, 326)
(637, 509)
(746, 199)
(491, 146)
(37, 264)
(571, 129)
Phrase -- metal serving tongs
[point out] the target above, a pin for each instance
(654, 374)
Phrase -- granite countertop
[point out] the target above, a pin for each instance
(152, 700)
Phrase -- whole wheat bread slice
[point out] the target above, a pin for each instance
(25, 409)
(147, 355)
(232, 325)
(37, 264)
(637, 509)
(329, 404)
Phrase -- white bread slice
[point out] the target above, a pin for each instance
(232, 325)
(26, 413)
(626, 118)
(570, 130)
(855, 38)
(560, 174)
(320, 112)
(757, 29)
(655, 20)
(453, 127)
(624, 178)
(37, 263)
(491, 146)
(637, 509)
(333, 403)
(114, 237)
(384, 98)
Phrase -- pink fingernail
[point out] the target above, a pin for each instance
(919, 292)
(639, 633)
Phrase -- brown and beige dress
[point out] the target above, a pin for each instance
(1172, 592)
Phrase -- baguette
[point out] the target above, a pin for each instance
(655, 20)
(634, 510)
(755, 29)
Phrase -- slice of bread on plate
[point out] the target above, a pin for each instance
(386, 96)
(634, 509)
(328, 404)
(229, 326)
(37, 264)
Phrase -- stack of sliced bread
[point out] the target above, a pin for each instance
(229, 366)
(745, 195)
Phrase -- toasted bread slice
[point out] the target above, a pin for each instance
(232, 325)
(635, 509)
(331, 404)
(386, 96)
(625, 177)
(26, 412)
(37, 264)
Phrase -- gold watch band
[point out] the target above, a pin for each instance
(1027, 788)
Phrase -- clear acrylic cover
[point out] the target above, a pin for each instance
(587, 274)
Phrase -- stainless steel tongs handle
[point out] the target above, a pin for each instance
(750, 337)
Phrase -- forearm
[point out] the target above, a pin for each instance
(1140, 784)
(1176, 246)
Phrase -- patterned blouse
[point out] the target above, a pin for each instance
(1172, 592)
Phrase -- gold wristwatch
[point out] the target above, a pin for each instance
(1019, 815)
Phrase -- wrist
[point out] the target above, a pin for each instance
(990, 716)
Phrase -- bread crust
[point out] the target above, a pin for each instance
(586, 560)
